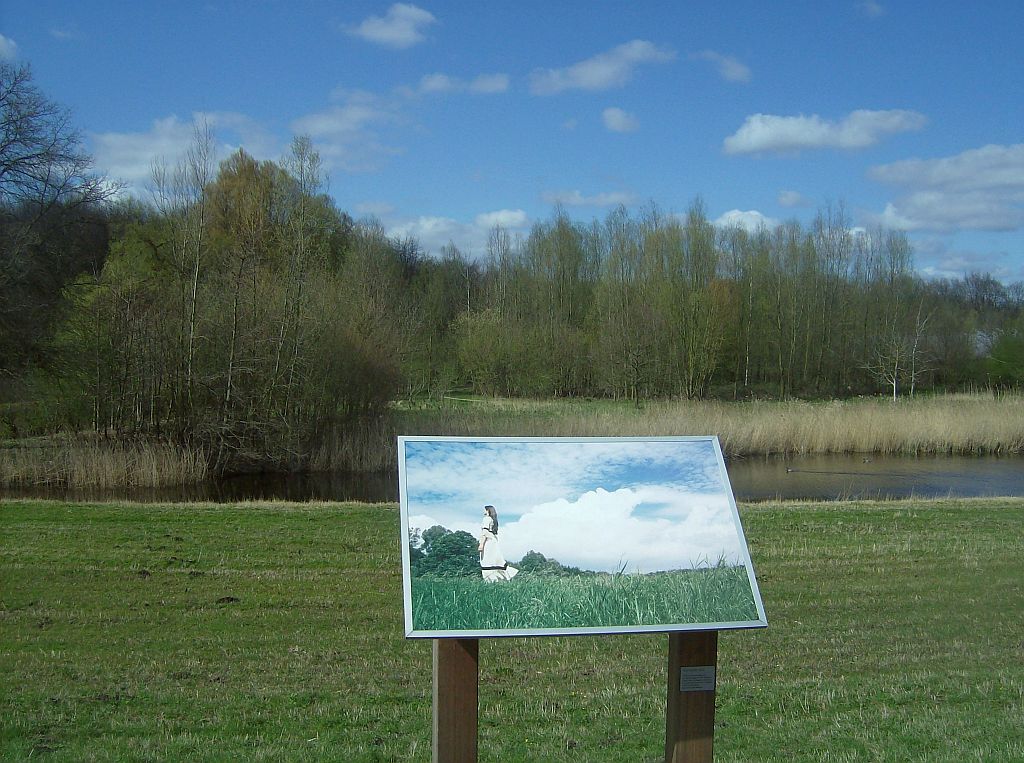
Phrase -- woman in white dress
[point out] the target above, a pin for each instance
(493, 565)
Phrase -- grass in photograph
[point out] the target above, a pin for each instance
(274, 632)
(711, 595)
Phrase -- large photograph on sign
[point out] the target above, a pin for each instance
(535, 536)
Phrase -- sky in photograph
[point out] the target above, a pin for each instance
(442, 118)
(641, 506)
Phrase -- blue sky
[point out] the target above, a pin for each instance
(599, 505)
(443, 118)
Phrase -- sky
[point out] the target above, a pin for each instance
(638, 506)
(441, 118)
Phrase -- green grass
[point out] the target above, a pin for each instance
(711, 595)
(274, 632)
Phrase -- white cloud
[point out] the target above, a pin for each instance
(374, 208)
(506, 218)
(401, 27)
(489, 83)
(871, 9)
(613, 68)
(346, 134)
(8, 49)
(751, 220)
(484, 84)
(130, 156)
(434, 233)
(793, 199)
(576, 199)
(617, 120)
(859, 129)
(729, 68)
(979, 189)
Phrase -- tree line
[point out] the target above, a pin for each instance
(237, 307)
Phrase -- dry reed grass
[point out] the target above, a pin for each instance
(960, 424)
(93, 465)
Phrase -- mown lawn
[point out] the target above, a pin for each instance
(274, 632)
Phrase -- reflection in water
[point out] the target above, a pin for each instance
(831, 477)
(825, 477)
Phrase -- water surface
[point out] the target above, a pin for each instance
(824, 477)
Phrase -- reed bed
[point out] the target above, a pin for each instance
(954, 424)
(93, 465)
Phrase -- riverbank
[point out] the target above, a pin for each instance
(927, 425)
(274, 631)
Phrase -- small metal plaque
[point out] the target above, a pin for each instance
(697, 678)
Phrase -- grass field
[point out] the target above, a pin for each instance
(274, 632)
(711, 595)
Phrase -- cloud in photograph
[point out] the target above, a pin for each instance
(628, 493)
(729, 68)
(978, 189)
(644, 529)
(575, 198)
(768, 133)
(750, 220)
(612, 68)
(8, 49)
(617, 120)
(401, 27)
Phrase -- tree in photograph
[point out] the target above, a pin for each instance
(445, 553)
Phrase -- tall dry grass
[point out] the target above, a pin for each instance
(954, 424)
(96, 465)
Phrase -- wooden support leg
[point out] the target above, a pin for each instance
(456, 681)
(690, 711)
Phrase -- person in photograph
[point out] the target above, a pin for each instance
(493, 564)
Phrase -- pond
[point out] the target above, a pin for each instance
(821, 477)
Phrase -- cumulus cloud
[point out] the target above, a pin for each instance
(434, 232)
(979, 189)
(751, 220)
(506, 218)
(484, 84)
(374, 208)
(729, 68)
(576, 199)
(8, 49)
(871, 9)
(401, 27)
(793, 199)
(130, 156)
(347, 133)
(617, 120)
(612, 68)
(859, 129)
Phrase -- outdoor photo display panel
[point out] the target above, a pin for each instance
(579, 535)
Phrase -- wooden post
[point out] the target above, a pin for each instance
(456, 681)
(690, 710)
